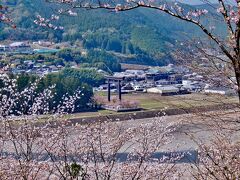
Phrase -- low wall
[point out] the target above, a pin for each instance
(150, 114)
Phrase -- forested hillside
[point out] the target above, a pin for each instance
(137, 34)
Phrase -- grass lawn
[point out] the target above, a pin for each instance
(155, 101)
(152, 101)
(93, 114)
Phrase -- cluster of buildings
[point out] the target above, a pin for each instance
(33, 67)
(165, 80)
(18, 66)
(27, 48)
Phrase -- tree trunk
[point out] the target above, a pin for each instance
(236, 66)
(238, 84)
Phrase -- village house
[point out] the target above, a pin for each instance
(4, 48)
(220, 91)
(164, 90)
(16, 47)
(20, 47)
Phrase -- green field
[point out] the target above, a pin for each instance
(155, 101)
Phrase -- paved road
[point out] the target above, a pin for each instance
(202, 127)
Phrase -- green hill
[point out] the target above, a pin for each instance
(141, 33)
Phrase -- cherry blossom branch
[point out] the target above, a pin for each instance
(4, 16)
(227, 19)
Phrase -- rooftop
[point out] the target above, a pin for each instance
(15, 44)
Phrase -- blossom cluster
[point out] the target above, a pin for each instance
(4, 16)
(231, 14)
(44, 22)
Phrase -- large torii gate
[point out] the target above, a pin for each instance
(111, 79)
